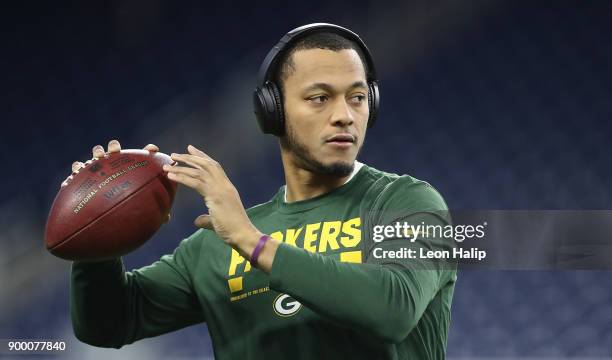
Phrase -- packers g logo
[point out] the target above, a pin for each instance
(284, 305)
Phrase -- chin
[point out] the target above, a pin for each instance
(339, 168)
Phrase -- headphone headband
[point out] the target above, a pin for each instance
(270, 62)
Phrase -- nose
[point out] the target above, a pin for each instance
(342, 115)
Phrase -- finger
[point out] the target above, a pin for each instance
(98, 151)
(211, 163)
(195, 151)
(185, 180)
(205, 222)
(114, 146)
(76, 166)
(191, 172)
(151, 147)
(65, 182)
(195, 161)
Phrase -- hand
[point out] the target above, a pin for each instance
(227, 216)
(98, 153)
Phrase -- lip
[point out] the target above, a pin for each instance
(341, 138)
(341, 141)
(340, 144)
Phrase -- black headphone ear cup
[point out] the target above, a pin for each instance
(279, 119)
(373, 102)
(260, 109)
(268, 107)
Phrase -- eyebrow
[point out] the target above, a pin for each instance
(327, 87)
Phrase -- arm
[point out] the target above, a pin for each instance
(383, 298)
(110, 307)
(386, 300)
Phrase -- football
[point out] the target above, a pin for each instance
(110, 207)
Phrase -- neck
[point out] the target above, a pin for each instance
(303, 184)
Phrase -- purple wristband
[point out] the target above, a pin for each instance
(262, 241)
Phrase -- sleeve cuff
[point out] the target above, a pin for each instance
(95, 270)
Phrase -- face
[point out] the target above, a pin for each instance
(326, 110)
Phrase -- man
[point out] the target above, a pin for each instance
(295, 277)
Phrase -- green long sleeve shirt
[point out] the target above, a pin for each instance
(326, 297)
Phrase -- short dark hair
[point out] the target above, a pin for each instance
(318, 40)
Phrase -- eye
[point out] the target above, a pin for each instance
(319, 99)
(358, 99)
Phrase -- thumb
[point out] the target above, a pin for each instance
(204, 221)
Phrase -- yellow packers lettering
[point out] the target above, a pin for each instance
(319, 237)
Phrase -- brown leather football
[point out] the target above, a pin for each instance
(110, 207)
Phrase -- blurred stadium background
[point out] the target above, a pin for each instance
(497, 103)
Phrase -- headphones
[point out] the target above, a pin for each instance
(267, 99)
